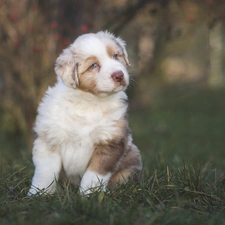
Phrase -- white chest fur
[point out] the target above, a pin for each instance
(71, 122)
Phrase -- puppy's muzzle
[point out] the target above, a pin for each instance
(118, 76)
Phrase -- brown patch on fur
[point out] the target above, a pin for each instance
(87, 83)
(75, 77)
(108, 153)
(126, 60)
(129, 167)
(106, 156)
(111, 50)
(87, 75)
(124, 56)
(117, 157)
(86, 64)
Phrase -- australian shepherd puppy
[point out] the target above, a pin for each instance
(81, 126)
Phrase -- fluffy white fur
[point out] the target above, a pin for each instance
(71, 121)
(91, 180)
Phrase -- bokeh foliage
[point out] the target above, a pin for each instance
(169, 42)
(177, 108)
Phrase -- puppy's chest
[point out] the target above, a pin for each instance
(95, 124)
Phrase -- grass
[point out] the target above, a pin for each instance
(183, 182)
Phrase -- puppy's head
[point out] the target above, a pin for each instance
(95, 63)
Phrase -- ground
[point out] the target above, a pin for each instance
(181, 138)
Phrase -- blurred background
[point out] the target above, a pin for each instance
(176, 50)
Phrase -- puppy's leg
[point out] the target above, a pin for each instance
(130, 168)
(102, 165)
(47, 168)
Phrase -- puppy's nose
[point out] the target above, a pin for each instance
(117, 76)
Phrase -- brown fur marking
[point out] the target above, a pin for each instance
(111, 50)
(87, 82)
(115, 156)
(87, 75)
(86, 64)
(106, 156)
(130, 167)
(108, 153)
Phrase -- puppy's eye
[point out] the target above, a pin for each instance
(115, 56)
(94, 65)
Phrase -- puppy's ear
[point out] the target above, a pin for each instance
(122, 44)
(66, 68)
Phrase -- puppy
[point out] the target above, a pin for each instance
(81, 126)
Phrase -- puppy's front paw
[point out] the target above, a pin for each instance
(36, 191)
(85, 192)
(32, 191)
(92, 182)
(88, 191)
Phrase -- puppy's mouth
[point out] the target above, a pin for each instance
(118, 86)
